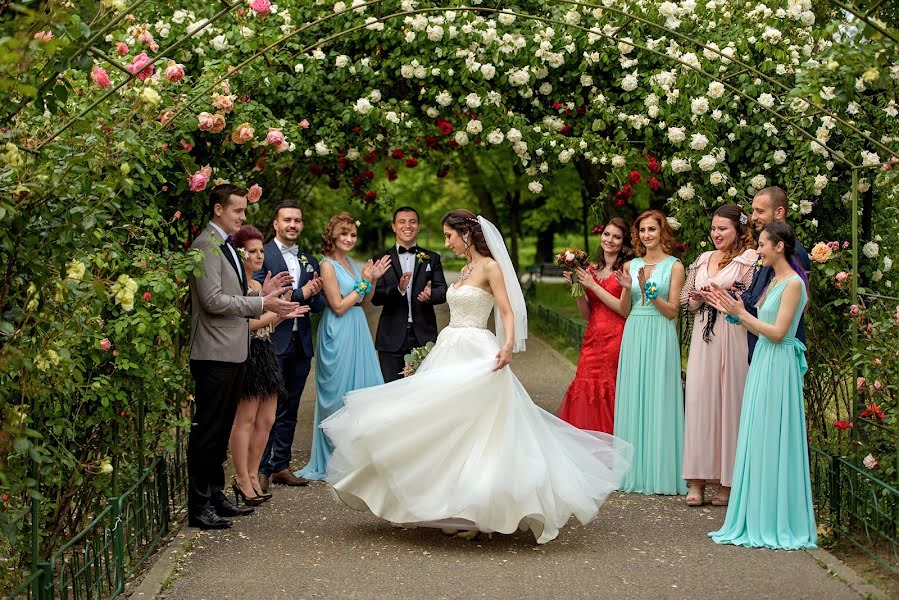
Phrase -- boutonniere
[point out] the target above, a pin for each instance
(303, 260)
(422, 257)
(242, 253)
(758, 263)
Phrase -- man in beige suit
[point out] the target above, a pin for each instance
(220, 341)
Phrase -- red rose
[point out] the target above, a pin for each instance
(391, 173)
(432, 142)
(445, 127)
(316, 170)
(370, 158)
(396, 153)
(843, 425)
(557, 105)
(334, 184)
(147, 296)
(599, 228)
(370, 196)
(443, 171)
(565, 130)
(653, 184)
(411, 162)
(634, 177)
(618, 203)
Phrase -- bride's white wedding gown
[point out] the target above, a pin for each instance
(459, 445)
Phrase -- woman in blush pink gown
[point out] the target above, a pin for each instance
(718, 364)
(589, 402)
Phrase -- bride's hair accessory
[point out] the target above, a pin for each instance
(362, 287)
(743, 219)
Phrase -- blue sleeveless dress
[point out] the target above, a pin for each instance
(771, 497)
(649, 398)
(345, 360)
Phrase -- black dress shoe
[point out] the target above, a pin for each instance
(225, 508)
(208, 519)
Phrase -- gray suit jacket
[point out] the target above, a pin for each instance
(219, 329)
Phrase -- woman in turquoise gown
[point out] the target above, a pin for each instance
(771, 498)
(649, 401)
(345, 358)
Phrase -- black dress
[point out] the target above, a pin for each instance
(263, 378)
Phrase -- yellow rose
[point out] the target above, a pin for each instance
(821, 253)
(76, 270)
(150, 96)
(123, 291)
(871, 74)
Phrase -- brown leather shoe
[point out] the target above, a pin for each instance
(285, 477)
(264, 480)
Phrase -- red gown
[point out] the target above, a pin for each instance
(589, 402)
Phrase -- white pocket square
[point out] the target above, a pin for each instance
(428, 269)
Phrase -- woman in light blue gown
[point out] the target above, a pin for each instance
(771, 498)
(345, 358)
(649, 400)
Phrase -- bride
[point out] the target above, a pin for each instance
(460, 444)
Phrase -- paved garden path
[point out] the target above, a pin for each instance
(304, 544)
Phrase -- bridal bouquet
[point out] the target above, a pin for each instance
(570, 259)
(414, 359)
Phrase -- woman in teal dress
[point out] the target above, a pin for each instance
(771, 498)
(649, 401)
(345, 358)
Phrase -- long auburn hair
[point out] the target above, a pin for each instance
(342, 222)
(627, 250)
(465, 223)
(667, 236)
(744, 240)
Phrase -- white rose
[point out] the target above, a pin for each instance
(565, 156)
(871, 249)
(716, 178)
(673, 223)
(820, 184)
(473, 100)
(392, 117)
(506, 18)
(432, 112)
(707, 163)
(545, 88)
(488, 71)
(352, 154)
(629, 83)
(535, 187)
(407, 71)
(519, 77)
(514, 135)
(716, 89)
(321, 149)
(435, 33)
(495, 137)
(474, 127)
(219, 42)
(805, 207)
(766, 100)
(758, 182)
(586, 80)
(887, 263)
(618, 161)
(677, 134)
(362, 106)
(732, 191)
(698, 141)
(444, 98)
(686, 192)
(869, 159)
(461, 138)
(779, 157)
(699, 105)
(341, 61)
(680, 165)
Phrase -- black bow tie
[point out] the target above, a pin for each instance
(412, 250)
(229, 240)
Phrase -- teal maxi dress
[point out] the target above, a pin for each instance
(345, 360)
(649, 398)
(771, 497)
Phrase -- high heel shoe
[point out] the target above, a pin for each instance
(247, 500)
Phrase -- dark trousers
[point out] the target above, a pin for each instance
(294, 368)
(392, 363)
(217, 391)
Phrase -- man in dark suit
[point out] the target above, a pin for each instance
(292, 339)
(219, 347)
(768, 205)
(408, 293)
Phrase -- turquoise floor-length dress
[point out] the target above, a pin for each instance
(345, 360)
(771, 497)
(649, 398)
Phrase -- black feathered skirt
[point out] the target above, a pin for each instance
(263, 378)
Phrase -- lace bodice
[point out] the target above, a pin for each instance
(470, 306)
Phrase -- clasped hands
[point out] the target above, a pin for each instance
(720, 298)
(276, 292)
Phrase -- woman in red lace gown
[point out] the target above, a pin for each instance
(589, 402)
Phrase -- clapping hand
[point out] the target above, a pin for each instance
(313, 286)
(274, 302)
(624, 279)
(642, 277)
(404, 281)
(276, 283)
(718, 297)
(375, 269)
(425, 294)
(301, 310)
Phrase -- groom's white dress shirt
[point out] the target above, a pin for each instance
(407, 265)
(293, 267)
(237, 261)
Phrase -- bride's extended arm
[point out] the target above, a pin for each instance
(498, 289)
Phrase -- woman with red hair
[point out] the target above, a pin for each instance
(649, 400)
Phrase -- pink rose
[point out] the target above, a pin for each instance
(177, 215)
(218, 123)
(854, 309)
(254, 194)
(147, 296)
(876, 362)
(223, 102)
(197, 182)
(870, 462)
(877, 385)
(174, 71)
(204, 121)
(141, 66)
(105, 344)
(842, 276)
(43, 36)
(243, 133)
(275, 137)
(304, 124)
(121, 49)
(146, 38)
(261, 7)
(100, 77)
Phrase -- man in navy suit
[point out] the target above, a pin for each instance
(769, 205)
(292, 339)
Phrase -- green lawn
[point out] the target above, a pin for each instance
(557, 297)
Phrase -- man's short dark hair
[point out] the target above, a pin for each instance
(777, 196)
(221, 194)
(286, 204)
(405, 209)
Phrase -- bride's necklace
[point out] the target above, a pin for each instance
(466, 271)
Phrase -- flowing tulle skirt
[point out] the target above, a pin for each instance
(771, 498)
(345, 360)
(458, 444)
(649, 405)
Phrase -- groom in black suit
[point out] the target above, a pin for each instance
(292, 339)
(408, 293)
